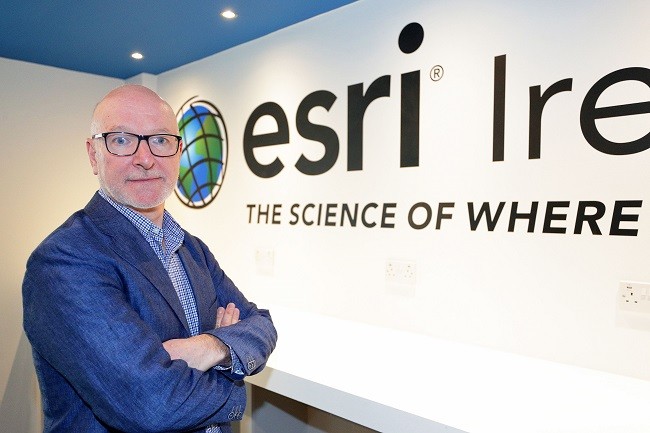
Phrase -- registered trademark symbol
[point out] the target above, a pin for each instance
(436, 73)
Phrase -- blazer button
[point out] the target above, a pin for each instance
(236, 413)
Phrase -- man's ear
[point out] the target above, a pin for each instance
(92, 155)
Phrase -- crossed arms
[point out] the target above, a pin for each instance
(205, 351)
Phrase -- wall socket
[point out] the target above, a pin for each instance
(265, 261)
(633, 297)
(401, 276)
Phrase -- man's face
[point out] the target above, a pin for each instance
(141, 181)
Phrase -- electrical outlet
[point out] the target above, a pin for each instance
(264, 261)
(391, 271)
(401, 276)
(409, 273)
(634, 297)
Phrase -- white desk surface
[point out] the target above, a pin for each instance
(442, 386)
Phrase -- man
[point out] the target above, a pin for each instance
(133, 324)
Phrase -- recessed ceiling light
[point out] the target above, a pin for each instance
(137, 56)
(228, 14)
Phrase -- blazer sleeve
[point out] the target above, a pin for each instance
(81, 320)
(254, 337)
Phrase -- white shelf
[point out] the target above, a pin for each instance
(394, 381)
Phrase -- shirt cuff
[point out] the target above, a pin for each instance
(236, 369)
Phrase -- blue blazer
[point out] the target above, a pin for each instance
(98, 304)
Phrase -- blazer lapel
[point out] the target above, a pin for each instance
(129, 244)
(202, 286)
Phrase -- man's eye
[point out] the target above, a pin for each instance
(159, 140)
(121, 140)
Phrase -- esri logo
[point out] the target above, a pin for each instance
(205, 152)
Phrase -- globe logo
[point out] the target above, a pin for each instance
(205, 153)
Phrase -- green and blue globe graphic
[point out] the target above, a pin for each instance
(205, 152)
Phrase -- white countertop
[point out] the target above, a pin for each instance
(442, 386)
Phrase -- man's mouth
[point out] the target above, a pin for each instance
(144, 179)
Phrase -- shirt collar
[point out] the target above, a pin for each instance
(171, 231)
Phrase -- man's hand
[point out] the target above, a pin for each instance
(201, 351)
(204, 351)
(227, 316)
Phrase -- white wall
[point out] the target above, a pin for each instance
(539, 294)
(44, 119)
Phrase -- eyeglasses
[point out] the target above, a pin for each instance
(126, 144)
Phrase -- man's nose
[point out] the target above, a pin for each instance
(143, 156)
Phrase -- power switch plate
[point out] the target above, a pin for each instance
(265, 261)
(401, 277)
(634, 297)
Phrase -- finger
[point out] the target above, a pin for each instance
(220, 313)
(227, 316)
(235, 315)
